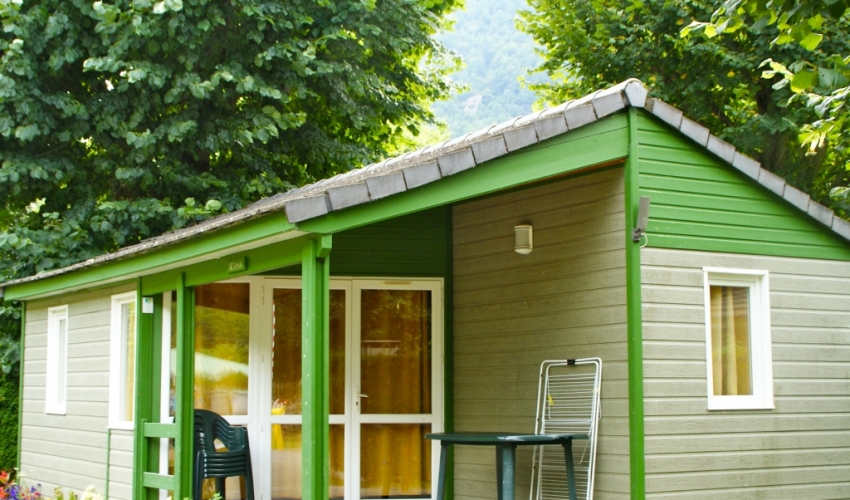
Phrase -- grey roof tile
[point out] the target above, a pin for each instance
(306, 208)
(347, 195)
(517, 138)
(550, 126)
(418, 175)
(636, 93)
(665, 112)
(385, 185)
(528, 119)
(458, 161)
(746, 165)
(579, 116)
(796, 197)
(821, 213)
(453, 143)
(772, 181)
(721, 148)
(695, 131)
(606, 103)
(488, 149)
(841, 227)
(504, 125)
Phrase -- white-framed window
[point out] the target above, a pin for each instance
(122, 361)
(737, 333)
(57, 360)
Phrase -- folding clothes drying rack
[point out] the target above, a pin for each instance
(568, 402)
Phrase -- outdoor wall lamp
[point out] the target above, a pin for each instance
(523, 239)
(642, 219)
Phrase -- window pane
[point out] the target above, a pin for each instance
(730, 341)
(62, 362)
(221, 347)
(395, 461)
(286, 461)
(128, 328)
(286, 352)
(395, 351)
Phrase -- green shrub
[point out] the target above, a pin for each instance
(8, 421)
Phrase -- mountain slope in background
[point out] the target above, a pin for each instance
(495, 54)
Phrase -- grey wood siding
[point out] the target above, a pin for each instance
(566, 299)
(71, 450)
(799, 450)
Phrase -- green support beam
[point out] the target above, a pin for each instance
(184, 415)
(315, 298)
(637, 469)
(147, 407)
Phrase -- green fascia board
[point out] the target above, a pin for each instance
(256, 260)
(598, 143)
(240, 234)
(700, 202)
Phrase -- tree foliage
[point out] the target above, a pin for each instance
(591, 44)
(820, 82)
(122, 120)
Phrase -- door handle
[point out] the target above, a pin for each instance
(364, 395)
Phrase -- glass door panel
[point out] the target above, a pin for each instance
(285, 394)
(222, 313)
(395, 351)
(286, 461)
(395, 380)
(395, 461)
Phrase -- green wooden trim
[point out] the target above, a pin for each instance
(700, 202)
(601, 142)
(258, 260)
(239, 234)
(158, 430)
(158, 481)
(637, 462)
(148, 339)
(315, 388)
(448, 350)
(185, 397)
(21, 380)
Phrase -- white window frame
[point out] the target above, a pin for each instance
(117, 366)
(56, 387)
(761, 363)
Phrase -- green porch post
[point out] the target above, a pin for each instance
(184, 413)
(315, 353)
(148, 365)
(637, 460)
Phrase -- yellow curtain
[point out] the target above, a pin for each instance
(730, 340)
(396, 376)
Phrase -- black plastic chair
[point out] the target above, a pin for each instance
(235, 460)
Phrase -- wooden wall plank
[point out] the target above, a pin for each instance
(804, 441)
(564, 300)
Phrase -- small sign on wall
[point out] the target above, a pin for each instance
(237, 265)
(147, 305)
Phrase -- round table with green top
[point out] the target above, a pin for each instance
(505, 444)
